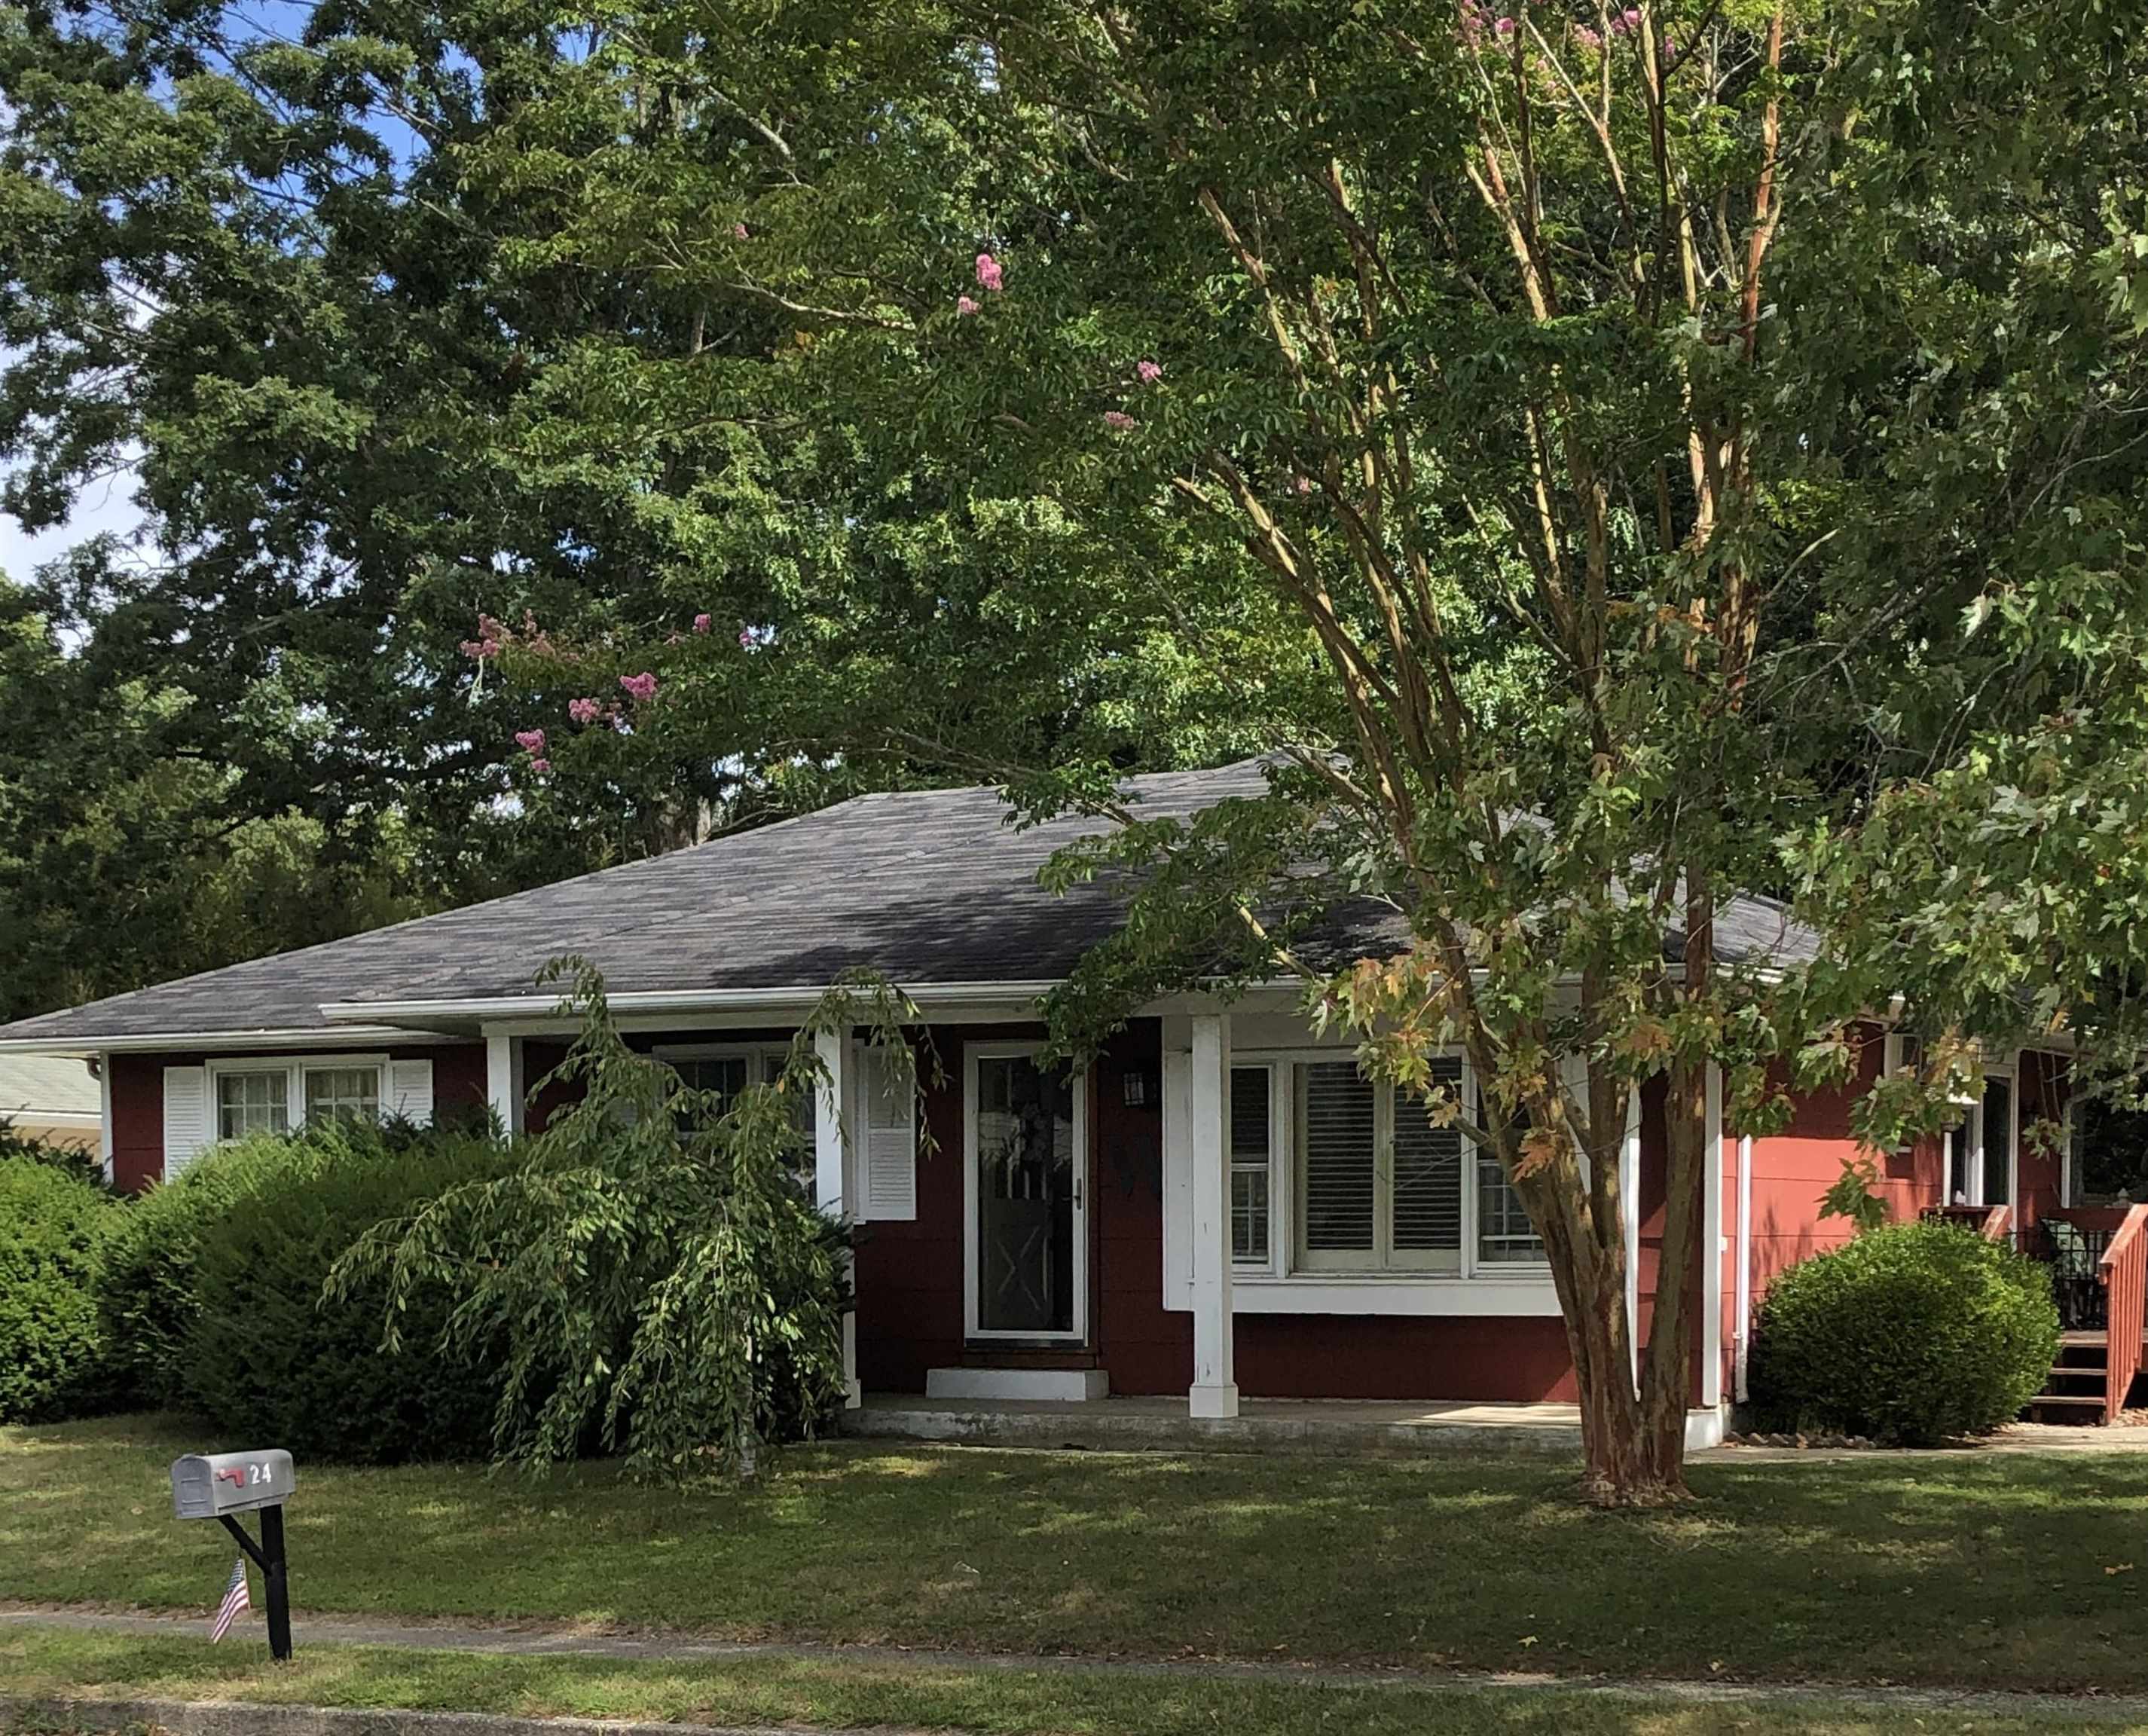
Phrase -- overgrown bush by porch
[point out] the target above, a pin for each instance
(1912, 1334)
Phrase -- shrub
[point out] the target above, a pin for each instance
(653, 1279)
(1913, 1334)
(83, 1163)
(267, 1356)
(54, 1226)
(146, 1302)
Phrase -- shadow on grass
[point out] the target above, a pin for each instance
(2012, 1571)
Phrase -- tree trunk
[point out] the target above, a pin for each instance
(1626, 1462)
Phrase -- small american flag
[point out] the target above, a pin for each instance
(234, 1600)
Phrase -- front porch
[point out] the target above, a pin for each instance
(2097, 1257)
(1343, 1427)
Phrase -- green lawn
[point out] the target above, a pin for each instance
(2000, 1572)
(830, 1695)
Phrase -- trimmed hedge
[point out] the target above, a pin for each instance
(1911, 1334)
(266, 1358)
(55, 1225)
(148, 1300)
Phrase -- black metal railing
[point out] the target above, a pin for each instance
(2071, 1253)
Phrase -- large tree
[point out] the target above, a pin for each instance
(341, 312)
(1685, 441)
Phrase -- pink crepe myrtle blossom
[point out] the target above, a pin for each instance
(1119, 419)
(1587, 36)
(738, 230)
(1503, 27)
(702, 623)
(989, 273)
(530, 741)
(478, 650)
(540, 765)
(964, 306)
(1300, 485)
(1626, 21)
(641, 687)
(583, 711)
(1150, 372)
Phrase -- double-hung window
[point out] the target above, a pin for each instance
(260, 1097)
(255, 1102)
(1357, 1177)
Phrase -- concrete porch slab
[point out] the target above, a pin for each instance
(1336, 1426)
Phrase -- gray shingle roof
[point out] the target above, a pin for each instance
(928, 888)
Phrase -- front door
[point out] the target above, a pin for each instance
(1028, 1240)
(1980, 1152)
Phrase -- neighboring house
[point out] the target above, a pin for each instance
(1220, 1204)
(50, 1097)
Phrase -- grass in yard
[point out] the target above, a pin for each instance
(830, 1695)
(2003, 1572)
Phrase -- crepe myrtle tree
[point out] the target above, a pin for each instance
(1578, 441)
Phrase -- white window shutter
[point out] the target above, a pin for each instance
(889, 1122)
(1177, 1179)
(410, 1092)
(186, 1117)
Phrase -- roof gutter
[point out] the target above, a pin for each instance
(223, 1042)
(928, 996)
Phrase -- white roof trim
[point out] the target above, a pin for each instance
(928, 995)
(220, 1042)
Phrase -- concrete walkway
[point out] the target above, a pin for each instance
(537, 1641)
(1348, 1428)
(1303, 1425)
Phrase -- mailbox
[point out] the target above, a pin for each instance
(208, 1485)
(221, 1486)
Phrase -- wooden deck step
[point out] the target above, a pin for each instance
(2087, 1402)
(2079, 1371)
(2084, 1340)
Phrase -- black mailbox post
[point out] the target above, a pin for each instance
(221, 1486)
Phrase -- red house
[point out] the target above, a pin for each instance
(1220, 1206)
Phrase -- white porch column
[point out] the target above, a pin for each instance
(832, 1170)
(1215, 1390)
(1715, 1246)
(504, 1088)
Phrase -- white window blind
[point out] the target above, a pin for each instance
(1251, 1157)
(1338, 1163)
(1428, 1174)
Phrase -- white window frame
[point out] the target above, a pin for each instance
(1973, 1154)
(769, 1058)
(1279, 1118)
(1287, 1266)
(972, 1055)
(294, 1069)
